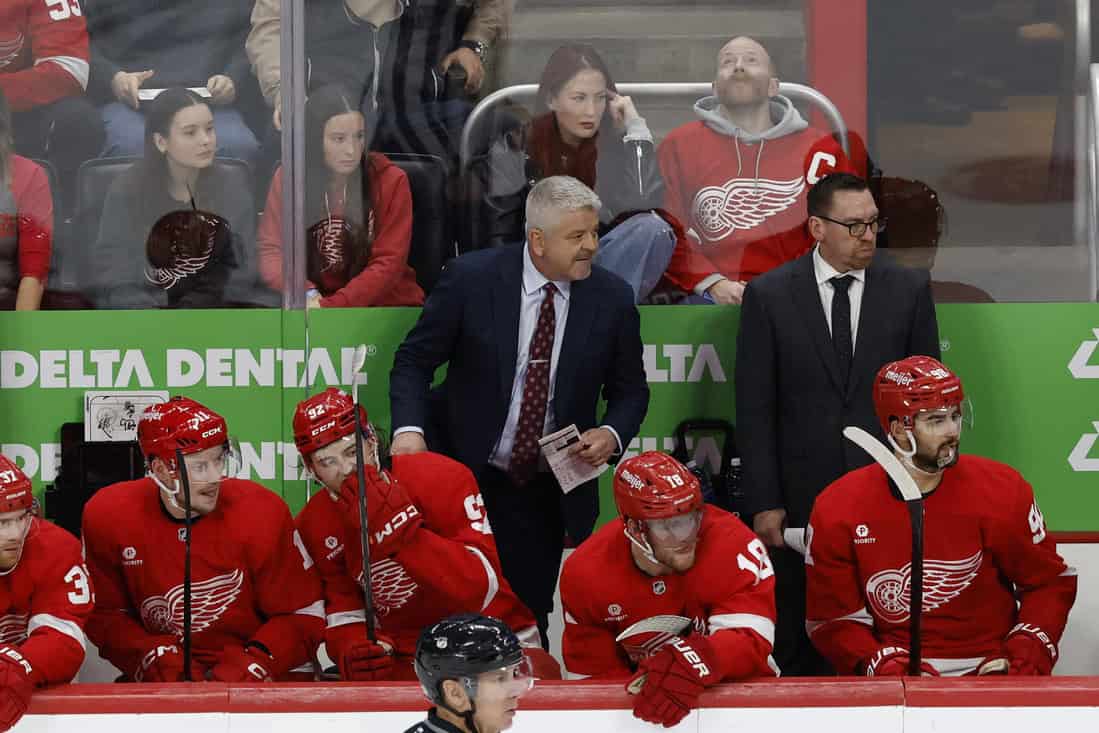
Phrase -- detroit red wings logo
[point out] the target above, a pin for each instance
(890, 590)
(391, 585)
(13, 628)
(741, 204)
(209, 600)
(10, 46)
(181, 268)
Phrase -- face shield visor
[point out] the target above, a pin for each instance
(674, 530)
(507, 682)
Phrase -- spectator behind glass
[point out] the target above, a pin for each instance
(44, 72)
(26, 224)
(139, 45)
(198, 270)
(738, 177)
(360, 206)
(587, 130)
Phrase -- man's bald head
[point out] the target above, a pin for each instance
(745, 43)
(745, 74)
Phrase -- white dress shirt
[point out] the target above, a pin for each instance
(530, 304)
(825, 272)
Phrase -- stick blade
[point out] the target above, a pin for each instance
(885, 458)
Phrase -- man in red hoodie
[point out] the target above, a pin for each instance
(737, 177)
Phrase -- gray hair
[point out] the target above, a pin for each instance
(556, 195)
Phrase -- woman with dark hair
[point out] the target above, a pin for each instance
(585, 129)
(26, 223)
(359, 207)
(174, 227)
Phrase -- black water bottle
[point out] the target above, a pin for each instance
(733, 494)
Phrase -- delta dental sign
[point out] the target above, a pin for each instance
(129, 369)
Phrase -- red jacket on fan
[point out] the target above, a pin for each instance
(26, 226)
(451, 567)
(985, 549)
(387, 279)
(45, 600)
(742, 196)
(43, 51)
(252, 579)
(729, 593)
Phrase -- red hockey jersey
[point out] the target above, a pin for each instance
(729, 594)
(451, 566)
(742, 202)
(251, 576)
(45, 600)
(43, 51)
(985, 547)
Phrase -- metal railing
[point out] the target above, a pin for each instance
(1086, 194)
(525, 93)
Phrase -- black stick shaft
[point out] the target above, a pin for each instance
(915, 509)
(364, 531)
(186, 565)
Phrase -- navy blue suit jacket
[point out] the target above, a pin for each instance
(470, 322)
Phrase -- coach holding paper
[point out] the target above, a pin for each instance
(531, 335)
(813, 334)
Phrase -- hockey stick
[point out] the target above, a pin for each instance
(186, 565)
(364, 532)
(913, 499)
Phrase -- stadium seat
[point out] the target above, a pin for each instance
(432, 239)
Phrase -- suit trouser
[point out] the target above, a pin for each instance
(794, 653)
(529, 523)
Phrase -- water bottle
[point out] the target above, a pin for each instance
(733, 495)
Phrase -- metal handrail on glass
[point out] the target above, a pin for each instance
(1090, 202)
(798, 93)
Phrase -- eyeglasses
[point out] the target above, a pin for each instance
(858, 228)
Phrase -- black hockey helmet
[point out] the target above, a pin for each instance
(461, 647)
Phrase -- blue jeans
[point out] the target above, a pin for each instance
(638, 250)
(125, 128)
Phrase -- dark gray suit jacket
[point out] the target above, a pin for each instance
(791, 407)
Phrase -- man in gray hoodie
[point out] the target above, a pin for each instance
(737, 177)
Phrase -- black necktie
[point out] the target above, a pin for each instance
(841, 324)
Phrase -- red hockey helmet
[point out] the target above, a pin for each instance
(325, 418)
(15, 487)
(910, 386)
(653, 485)
(179, 423)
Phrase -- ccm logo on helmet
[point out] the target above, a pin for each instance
(211, 431)
(902, 379)
(399, 519)
(321, 428)
(691, 656)
(632, 480)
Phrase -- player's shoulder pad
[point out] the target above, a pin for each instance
(58, 541)
(724, 531)
(850, 489)
(1003, 483)
(426, 475)
(589, 558)
(122, 493)
(254, 500)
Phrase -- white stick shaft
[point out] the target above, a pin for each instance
(887, 460)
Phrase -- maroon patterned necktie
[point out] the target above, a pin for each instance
(532, 410)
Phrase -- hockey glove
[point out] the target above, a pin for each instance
(892, 661)
(242, 664)
(673, 678)
(367, 661)
(391, 516)
(1030, 650)
(162, 663)
(16, 686)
